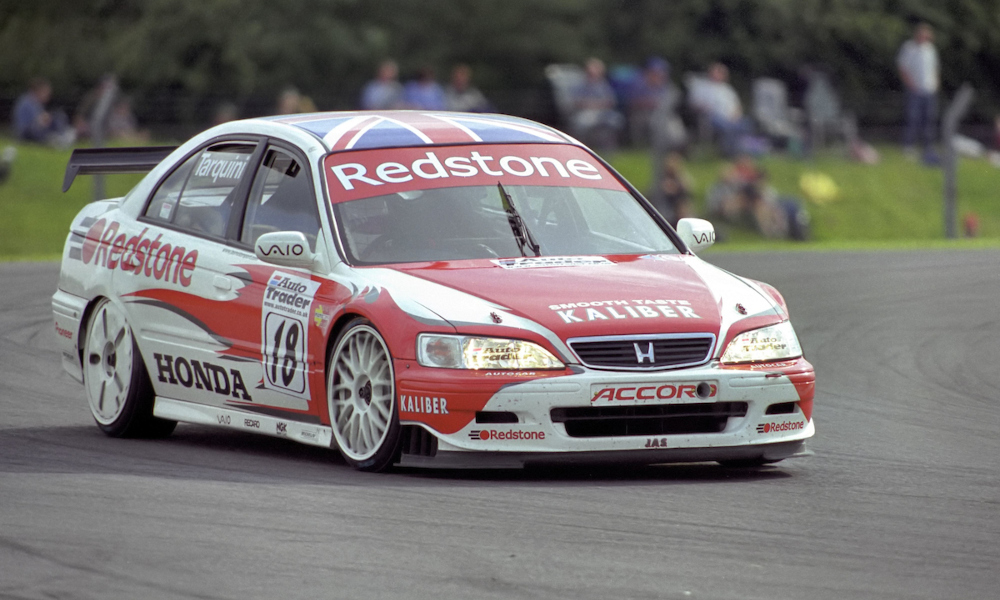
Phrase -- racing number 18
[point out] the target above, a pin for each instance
(287, 371)
(284, 359)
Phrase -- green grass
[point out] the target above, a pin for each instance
(34, 213)
(895, 204)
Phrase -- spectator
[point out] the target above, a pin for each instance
(744, 196)
(461, 95)
(33, 123)
(652, 98)
(385, 91)
(122, 123)
(719, 101)
(7, 162)
(920, 71)
(595, 120)
(292, 102)
(225, 111)
(994, 153)
(663, 127)
(94, 110)
(424, 92)
(675, 186)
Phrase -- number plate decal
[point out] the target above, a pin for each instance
(288, 299)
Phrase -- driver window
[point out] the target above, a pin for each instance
(282, 199)
(199, 195)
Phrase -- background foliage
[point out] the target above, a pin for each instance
(179, 57)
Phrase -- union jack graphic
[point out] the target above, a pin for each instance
(387, 129)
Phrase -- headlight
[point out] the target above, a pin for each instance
(776, 342)
(466, 352)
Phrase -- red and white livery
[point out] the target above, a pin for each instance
(415, 288)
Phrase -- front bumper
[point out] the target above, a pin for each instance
(766, 414)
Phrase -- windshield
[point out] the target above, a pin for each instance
(573, 206)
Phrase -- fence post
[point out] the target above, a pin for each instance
(99, 123)
(949, 126)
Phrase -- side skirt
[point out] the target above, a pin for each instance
(190, 412)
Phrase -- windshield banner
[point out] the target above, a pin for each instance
(367, 173)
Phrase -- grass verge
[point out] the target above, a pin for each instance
(34, 213)
(897, 200)
(893, 205)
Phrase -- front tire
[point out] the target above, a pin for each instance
(119, 392)
(361, 391)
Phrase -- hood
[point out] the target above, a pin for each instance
(600, 296)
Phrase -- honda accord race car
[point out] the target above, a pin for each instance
(416, 288)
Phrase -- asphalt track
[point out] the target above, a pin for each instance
(901, 500)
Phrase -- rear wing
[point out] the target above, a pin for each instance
(108, 161)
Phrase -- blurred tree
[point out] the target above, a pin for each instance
(179, 57)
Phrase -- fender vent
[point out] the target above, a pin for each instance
(417, 440)
(490, 416)
(783, 408)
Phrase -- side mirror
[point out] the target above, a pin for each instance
(698, 234)
(284, 248)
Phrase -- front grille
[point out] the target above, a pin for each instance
(660, 419)
(644, 352)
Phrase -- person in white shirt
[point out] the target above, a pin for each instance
(719, 101)
(920, 70)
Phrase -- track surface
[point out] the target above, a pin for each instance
(902, 499)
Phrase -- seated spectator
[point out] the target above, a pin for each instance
(31, 121)
(122, 123)
(744, 196)
(719, 101)
(461, 95)
(424, 93)
(652, 97)
(595, 119)
(292, 102)
(384, 92)
(675, 187)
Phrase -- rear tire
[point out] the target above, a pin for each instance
(361, 392)
(119, 392)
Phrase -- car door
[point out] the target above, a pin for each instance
(185, 318)
(282, 198)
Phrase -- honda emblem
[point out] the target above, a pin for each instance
(643, 356)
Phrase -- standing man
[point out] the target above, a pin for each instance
(920, 71)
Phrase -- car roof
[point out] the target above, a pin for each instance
(362, 130)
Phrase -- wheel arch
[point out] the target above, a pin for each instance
(88, 313)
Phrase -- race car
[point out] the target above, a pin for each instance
(419, 289)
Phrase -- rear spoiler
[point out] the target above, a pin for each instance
(108, 161)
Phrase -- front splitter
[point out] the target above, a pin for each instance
(515, 460)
